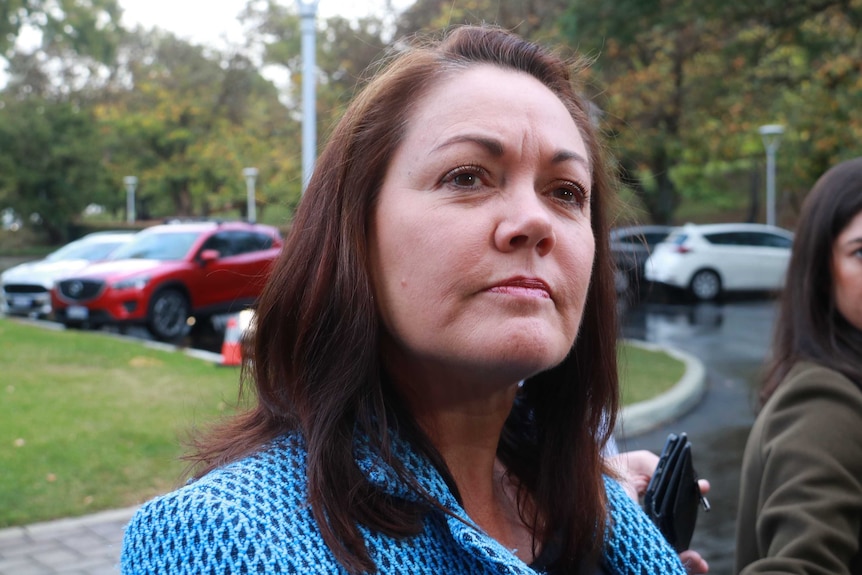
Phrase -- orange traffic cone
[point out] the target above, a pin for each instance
(231, 349)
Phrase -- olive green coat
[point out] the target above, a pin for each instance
(800, 505)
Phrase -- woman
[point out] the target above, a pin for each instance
(451, 243)
(800, 505)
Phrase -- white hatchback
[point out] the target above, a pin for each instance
(712, 258)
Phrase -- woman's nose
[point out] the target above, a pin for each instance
(526, 223)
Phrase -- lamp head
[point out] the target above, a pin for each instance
(771, 134)
(771, 130)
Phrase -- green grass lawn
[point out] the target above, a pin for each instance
(645, 373)
(90, 422)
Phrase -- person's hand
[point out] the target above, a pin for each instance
(694, 564)
(635, 468)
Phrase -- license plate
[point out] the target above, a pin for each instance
(21, 301)
(77, 312)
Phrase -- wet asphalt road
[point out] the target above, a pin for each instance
(732, 340)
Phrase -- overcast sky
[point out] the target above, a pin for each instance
(210, 21)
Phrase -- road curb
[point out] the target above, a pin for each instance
(639, 418)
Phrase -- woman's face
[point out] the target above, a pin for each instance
(847, 271)
(481, 242)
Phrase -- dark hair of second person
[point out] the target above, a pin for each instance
(808, 326)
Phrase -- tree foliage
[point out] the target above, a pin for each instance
(186, 123)
(682, 87)
(185, 120)
(50, 164)
(685, 85)
(87, 27)
(530, 18)
(345, 51)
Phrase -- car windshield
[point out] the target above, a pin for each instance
(653, 238)
(160, 246)
(82, 250)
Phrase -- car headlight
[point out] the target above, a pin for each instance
(131, 283)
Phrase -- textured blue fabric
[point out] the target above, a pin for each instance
(252, 516)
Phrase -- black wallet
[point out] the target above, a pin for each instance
(673, 495)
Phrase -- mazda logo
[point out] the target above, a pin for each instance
(75, 288)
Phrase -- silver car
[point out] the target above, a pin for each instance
(25, 288)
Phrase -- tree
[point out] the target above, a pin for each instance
(49, 141)
(186, 121)
(345, 50)
(529, 18)
(646, 68)
(684, 86)
(50, 164)
(86, 26)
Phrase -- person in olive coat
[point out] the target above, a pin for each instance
(800, 506)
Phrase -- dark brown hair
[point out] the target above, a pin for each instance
(809, 327)
(315, 356)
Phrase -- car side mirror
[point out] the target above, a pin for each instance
(208, 256)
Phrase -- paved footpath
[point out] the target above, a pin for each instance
(87, 545)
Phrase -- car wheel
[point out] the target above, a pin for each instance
(168, 315)
(705, 285)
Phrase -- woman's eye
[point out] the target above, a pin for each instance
(570, 193)
(465, 177)
(465, 180)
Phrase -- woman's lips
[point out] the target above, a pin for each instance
(527, 287)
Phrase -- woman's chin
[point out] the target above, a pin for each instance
(525, 361)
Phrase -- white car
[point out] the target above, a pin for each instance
(709, 259)
(25, 289)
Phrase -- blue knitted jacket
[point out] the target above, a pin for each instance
(252, 516)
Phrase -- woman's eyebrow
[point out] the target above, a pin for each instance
(568, 155)
(493, 146)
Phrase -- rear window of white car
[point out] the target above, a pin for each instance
(677, 239)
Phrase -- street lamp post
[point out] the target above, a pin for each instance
(771, 134)
(250, 175)
(131, 182)
(308, 13)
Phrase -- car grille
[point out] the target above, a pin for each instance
(80, 290)
(24, 288)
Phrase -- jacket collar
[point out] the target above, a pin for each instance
(465, 533)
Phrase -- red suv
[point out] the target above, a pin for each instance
(169, 273)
